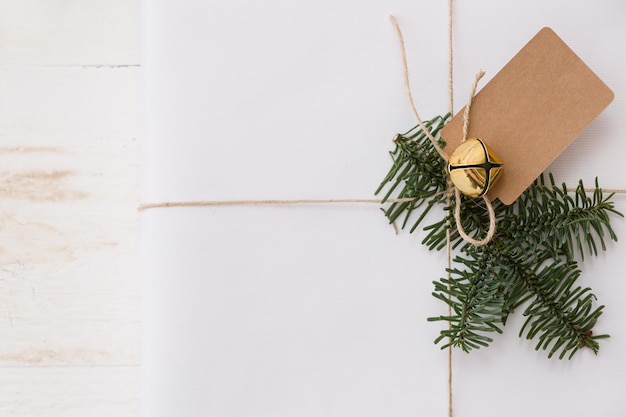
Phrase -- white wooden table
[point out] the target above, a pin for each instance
(69, 279)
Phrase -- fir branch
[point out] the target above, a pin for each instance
(560, 316)
(531, 257)
(477, 297)
(417, 171)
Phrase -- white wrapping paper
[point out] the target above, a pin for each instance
(320, 310)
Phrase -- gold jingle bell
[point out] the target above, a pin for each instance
(474, 168)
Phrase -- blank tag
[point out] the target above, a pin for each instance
(531, 111)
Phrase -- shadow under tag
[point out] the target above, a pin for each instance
(531, 111)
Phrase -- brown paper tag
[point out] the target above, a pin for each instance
(531, 111)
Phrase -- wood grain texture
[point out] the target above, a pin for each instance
(69, 391)
(69, 32)
(69, 279)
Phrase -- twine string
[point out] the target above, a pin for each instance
(279, 202)
(407, 85)
(273, 202)
(457, 194)
(466, 114)
(448, 201)
(450, 186)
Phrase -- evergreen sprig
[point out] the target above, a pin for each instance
(417, 172)
(531, 259)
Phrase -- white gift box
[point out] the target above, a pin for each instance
(320, 309)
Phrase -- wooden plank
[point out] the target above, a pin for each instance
(69, 287)
(69, 391)
(69, 251)
(69, 32)
(60, 107)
